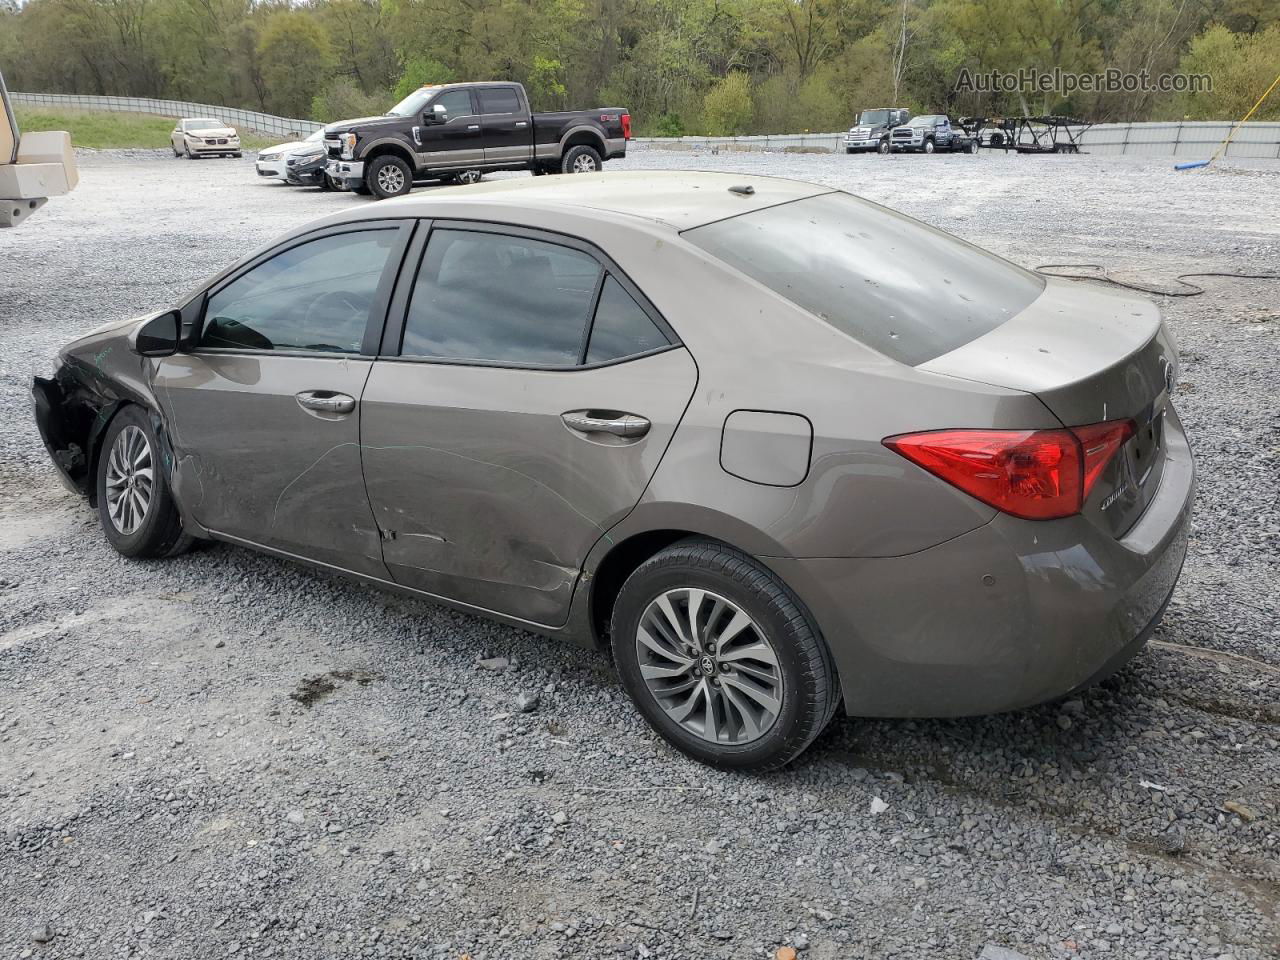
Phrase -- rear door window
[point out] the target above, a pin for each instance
(899, 286)
(499, 100)
(496, 298)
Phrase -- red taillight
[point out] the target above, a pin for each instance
(1033, 474)
(626, 126)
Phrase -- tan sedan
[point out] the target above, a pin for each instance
(203, 136)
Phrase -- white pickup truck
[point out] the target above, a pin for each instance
(33, 166)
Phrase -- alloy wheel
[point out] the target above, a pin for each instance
(709, 666)
(584, 164)
(130, 480)
(391, 179)
(469, 176)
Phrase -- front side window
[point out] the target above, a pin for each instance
(498, 298)
(499, 100)
(315, 296)
(897, 285)
(456, 103)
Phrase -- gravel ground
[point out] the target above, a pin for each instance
(226, 755)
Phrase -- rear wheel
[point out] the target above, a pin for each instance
(388, 176)
(581, 159)
(135, 506)
(469, 176)
(971, 147)
(720, 658)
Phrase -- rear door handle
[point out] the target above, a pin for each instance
(474, 126)
(325, 401)
(520, 124)
(618, 424)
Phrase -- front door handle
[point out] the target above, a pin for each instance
(474, 126)
(619, 424)
(325, 401)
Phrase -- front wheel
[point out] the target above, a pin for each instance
(388, 176)
(135, 506)
(581, 159)
(721, 659)
(928, 146)
(469, 176)
(883, 147)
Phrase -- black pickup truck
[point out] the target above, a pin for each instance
(459, 131)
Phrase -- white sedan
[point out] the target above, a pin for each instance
(271, 161)
(203, 136)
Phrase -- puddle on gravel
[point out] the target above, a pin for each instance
(312, 690)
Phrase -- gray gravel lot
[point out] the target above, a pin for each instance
(226, 755)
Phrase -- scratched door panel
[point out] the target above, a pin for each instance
(493, 499)
(254, 464)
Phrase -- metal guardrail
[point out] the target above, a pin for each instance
(264, 123)
(1188, 138)
(1185, 138)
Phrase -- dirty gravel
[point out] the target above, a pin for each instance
(225, 755)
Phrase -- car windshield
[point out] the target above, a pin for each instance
(901, 287)
(413, 103)
(203, 124)
(873, 118)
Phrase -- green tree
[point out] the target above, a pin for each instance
(727, 106)
(294, 51)
(420, 72)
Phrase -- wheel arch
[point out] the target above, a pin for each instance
(582, 137)
(618, 554)
(382, 148)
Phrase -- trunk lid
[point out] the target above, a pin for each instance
(1090, 355)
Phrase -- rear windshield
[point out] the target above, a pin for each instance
(897, 285)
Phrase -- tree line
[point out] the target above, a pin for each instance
(680, 66)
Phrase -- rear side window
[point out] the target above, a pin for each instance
(897, 285)
(506, 299)
(499, 100)
(315, 296)
(621, 328)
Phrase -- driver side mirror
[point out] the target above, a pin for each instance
(158, 337)
(437, 114)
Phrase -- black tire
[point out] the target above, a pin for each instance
(928, 145)
(849, 150)
(884, 146)
(810, 693)
(971, 147)
(192, 156)
(159, 534)
(581, 159)
(388, 176)
(327, 183)
(237, 155)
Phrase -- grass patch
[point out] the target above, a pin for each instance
(101, 130)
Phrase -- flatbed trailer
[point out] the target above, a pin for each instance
(1046, 134)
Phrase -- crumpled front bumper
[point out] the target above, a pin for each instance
(349, 173)
(60, 432)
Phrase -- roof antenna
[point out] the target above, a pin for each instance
(745, 189)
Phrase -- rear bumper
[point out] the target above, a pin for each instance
(1008, 615)
(614, 148)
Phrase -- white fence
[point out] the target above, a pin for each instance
(265, 123)
(1190, 139)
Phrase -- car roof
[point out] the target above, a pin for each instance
(677, 199)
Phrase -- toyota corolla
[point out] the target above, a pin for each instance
(780, 448)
